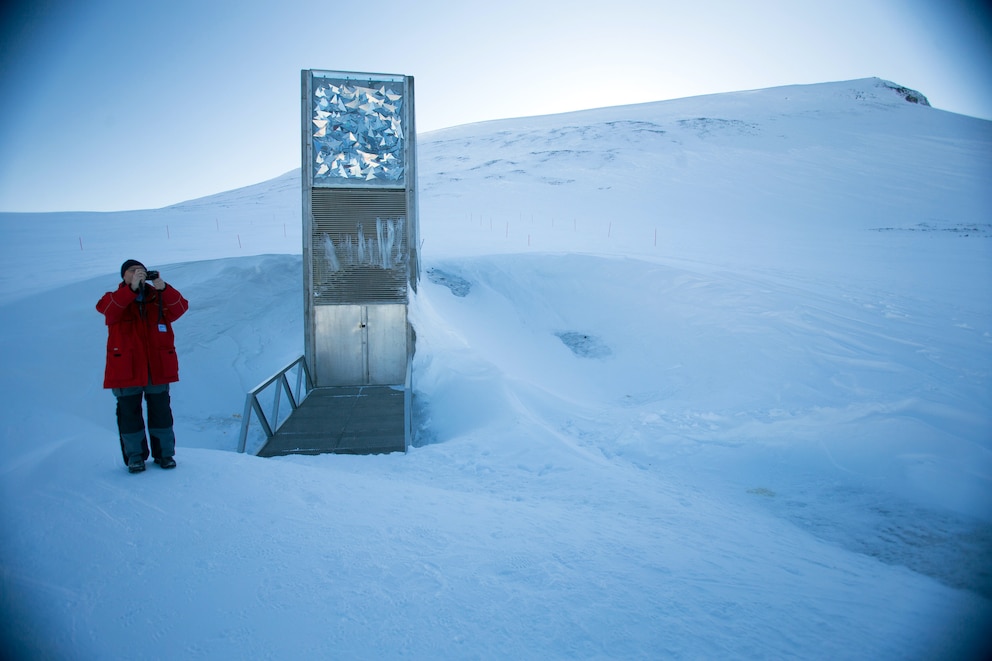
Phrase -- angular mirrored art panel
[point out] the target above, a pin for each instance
(357, 132)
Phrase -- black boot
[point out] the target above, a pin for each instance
(166, 462)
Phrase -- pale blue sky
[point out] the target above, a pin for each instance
(118, 104)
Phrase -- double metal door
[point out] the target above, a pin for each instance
(360, 344)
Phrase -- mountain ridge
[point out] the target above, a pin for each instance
(712, 161)
(844, 96)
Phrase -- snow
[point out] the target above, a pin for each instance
(706, 378)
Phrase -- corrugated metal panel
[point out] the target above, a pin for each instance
(359, 244)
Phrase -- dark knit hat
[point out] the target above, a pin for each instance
(128, 264)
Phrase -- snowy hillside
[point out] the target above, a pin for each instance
(705, 378)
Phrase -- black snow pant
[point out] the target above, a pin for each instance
(131, 423)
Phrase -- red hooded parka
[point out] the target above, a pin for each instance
(141, 348)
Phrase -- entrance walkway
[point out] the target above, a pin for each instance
(344, 420)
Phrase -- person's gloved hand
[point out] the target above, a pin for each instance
(138, 279)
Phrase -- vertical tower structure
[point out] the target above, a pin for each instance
(360, 230)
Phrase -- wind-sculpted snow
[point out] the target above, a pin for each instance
(706, 378)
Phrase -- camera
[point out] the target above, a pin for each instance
(151, 275)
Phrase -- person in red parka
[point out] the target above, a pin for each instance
(142, 361)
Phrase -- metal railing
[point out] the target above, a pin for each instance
(270, 425)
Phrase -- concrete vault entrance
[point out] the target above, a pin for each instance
(360, 261)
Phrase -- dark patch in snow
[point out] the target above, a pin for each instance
(912, 96)
(490, 163)
(961, 229)
(948, 547)
(706, 125)
(636, 126)
(559, 154)
(458, 286)
(584, 345)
